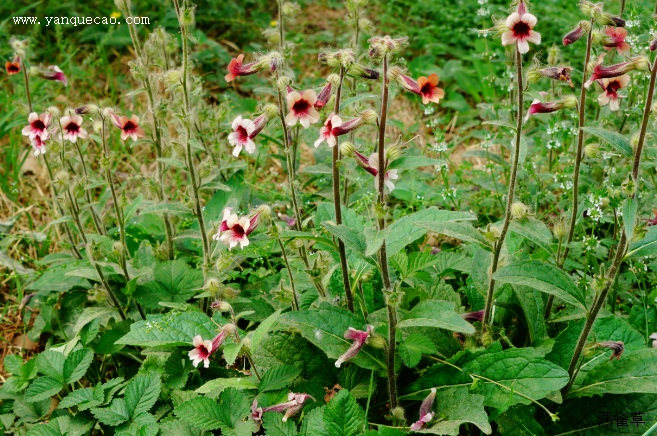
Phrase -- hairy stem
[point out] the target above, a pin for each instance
(383, 257)
(295, 301)
(337, 201)
(26, 79)
(487, 319)
(623, 242)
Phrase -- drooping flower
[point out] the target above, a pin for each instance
(293, 404)
(576, 34)
(605, 72)
(426, 411)
(616, 39)
(72, 128)
(473, 316)
(129, 126)
(244, 131)
(427, 87)
(371, 165)
(520, 25)
(13, 67)
(334, 127)
(653, 221)
(38, 126)
(203, 349)
(38, 145)
(539, 107)
(301, 108)
(561, 74)
(616, 346)
(290, 221)
(237, 68)
(234, 230)
(359, 337)
(53, 72)
(610, 87)
(324, 96)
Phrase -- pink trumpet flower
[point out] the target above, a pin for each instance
(234, 230)
(520, 25)
(610, 87)
(244, 131)
(38, 126)
(203, 349)
(427, 87)
(616, 346)
(293, 405)
(237, 68)
(301, 108)
(324, 96)
(334, 127)
(606, 72)
(371, 165)
(616, 40)
(539, 107)
(38, 145)
(129, 126)
(72, 128)
(359, 337)
(53, 72)
(426, 412)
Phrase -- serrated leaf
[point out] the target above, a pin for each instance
(278, 377)
(438, 314)
(51, 363)
(635, 372)
(115, 414)
(629, 217)
(42, 388)
(274, 425)
(83, 398)
(460, 230)
(534, 230)
(264, 327)
(325, 328)
(457, 407)
(413, 347)
(201, 412)
(343, 416)
(411, 162)
(615, 139)
(91, 313)
(542, 277)
(13, 364)
(532, 305)
(223, 383)
(172, 329)
(141, 393)
(76, 365)
(175, 281)
(313, 423)
(231, 351)
(645, 247)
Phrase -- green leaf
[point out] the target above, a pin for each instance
(13, 363)
(76, 365)
(325, 328)
(176, 209)
(412, 227)
(532, 305)
(629, 216)
(438, 314)
(84, 398)
(130, 210)
(460, 230)
(645, 247)
(412, 162)
(42, 388)
(172, 329)
(413, 347)
(264, 328)
(458, 406)
(351, 237)
(542, 277)
(533, 230)
(201, 412)
(223, 383)
(509, 372)
(231, 351)
(343, 416)
(115, 414)
(616, 140)
(51, 363)
(500, 123)
(313, 423)
(91, 313)
(274, 426)
(141, 393)
(175, 281)
(635, 372)
(278, 377)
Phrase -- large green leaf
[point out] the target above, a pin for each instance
(438, 314)
(141, 393)
(51, 363)
(534, 230)
(76, 364)
(458, 406)
(201, 412)
(325, 328)
(274, 425)
(544, 278)
(175, 281)
(343, 416)
(532, 305)
(635, 372)
(172, 329)
(646, 246)
(42, 388)
(464, 231)
(116, 414)
(278, 377)
(506, 377)
(615, 139)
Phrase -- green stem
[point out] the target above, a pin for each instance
(27, 86)
(623, 243)
(383, 257)
(337, 201)
(487, 319)
(74, 248)
(295, 301)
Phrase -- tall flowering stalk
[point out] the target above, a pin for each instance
(519, 34)
(185, 15)
(155, 121)
(623, 242)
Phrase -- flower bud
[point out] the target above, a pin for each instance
(592, 10)
(270, 110)
(53, 110)
(398, 413)
(272, 35)
(290, 9)
(347, 148)
(592, 151)
(366, 25)
(519, 210)
(357, 70)
(229, 328)
(333, 79)
(284, 82)
(381, 46)
(262, 212)
(376, 341)
(87, 109)
(583, 27)
(653, 45)
(62, 178)
(369, 116)
(641, 63)
(486, 339)
(606, 19)
(394, 152)
(212, 285)
(553, 55)
(117, 248)
(492, 233)
(221, 306)
(600, 38)
(188, 16)
(172, 77)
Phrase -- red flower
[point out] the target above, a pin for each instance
(13, 67)
(234, 230)
(129, 126)
(427, 87)
(521, 25)
(324, 96)
(616, 39)
(359, 337)
(539, 107)
(244, 131)
(653, 222)
(301, 108)
(204, 349)
(53, 72)
(426, 411)
(72, 127)
(605, 72)
(38, 145)
(237, 68)
(616, 346)
(610, 87)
